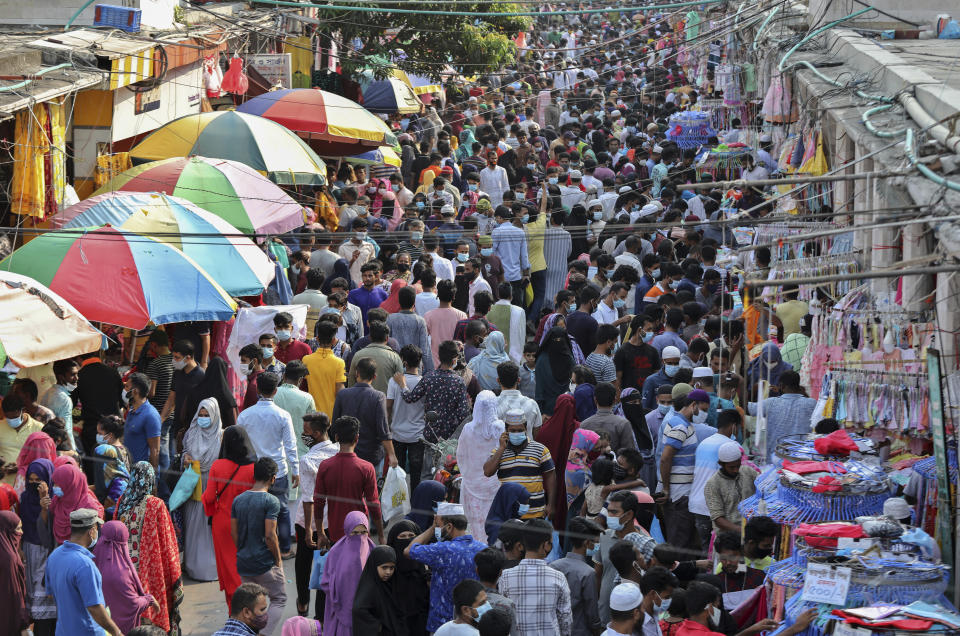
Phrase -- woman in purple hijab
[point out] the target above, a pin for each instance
(341, 574)
(122, 591)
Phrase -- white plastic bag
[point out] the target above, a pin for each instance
(395, 498)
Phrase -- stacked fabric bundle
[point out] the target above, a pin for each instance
(690, 129)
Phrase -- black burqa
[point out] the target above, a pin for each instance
(213, 385)
(375, 607)
(412, 589)
(554, 368)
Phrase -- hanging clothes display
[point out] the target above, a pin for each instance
(39, 169)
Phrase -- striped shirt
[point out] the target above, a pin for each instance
(527, 467)
(679, 434)
(602, 366)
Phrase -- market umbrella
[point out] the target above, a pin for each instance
(384, 155)
(233, 191)
(422, 84)
(121, 278)
(37, 326)
(232, 260)
(334, 125)
(390, 95)
(260, 143)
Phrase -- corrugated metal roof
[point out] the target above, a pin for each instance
(44, 88)
(102, 44)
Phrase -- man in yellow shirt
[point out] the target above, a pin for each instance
(327, 373)
(14, 431)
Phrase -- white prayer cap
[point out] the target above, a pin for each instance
(703, 372)
(446, 509)
(729, 452)
(625, 597)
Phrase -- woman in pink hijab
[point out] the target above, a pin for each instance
(122, 591)
(392, 303)
(341, 574)
(37, 446)
(70, 492)
(381, 201)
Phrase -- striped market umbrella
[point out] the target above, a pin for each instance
(238, 194)
(121, 278)
(260, 143)
(384, 155)
(37, 326)
(232, 260)
(390, 95)
(334, 125)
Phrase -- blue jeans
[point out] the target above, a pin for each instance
(279, 490)
(539, 282)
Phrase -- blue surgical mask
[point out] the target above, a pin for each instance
(594, 551)
(613, 523)
(101, 439)
(619, 303)
(531, 167)
(553, 180)
(609, 272)
(663, 408)
(472, 187)
(462, 257)
(360, 236)
(438, 533)
(518, 438)
(15, 422)
(674, 284)
(671, 369)
(267, 352)
(597, 215)
(483, 609)
(421, 204)
(203, 422)
(523, 509)
(284, 334)
(525, 219)
(655, 273)
(664, 605)
(486, 251)
(416, 236)
(572, 308)
(57, 491)
(648, 336)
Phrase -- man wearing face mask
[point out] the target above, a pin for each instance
(680, 442)
(626, 610)
(526, 462)
(620, 516)
(470, 603)
(671, 365)
(451, 560)
(581, 577)
(636, 360)
(142, 430)
(788, 414)
(74, 581)
(57, 397)
(248, 611)
(706, 459)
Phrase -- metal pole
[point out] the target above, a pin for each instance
(885, 273)
(740, 183)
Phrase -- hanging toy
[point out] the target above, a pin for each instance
(212, 75)
(235, 80)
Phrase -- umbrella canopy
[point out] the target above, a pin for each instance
(264, 145)
(37, 326)
(384, 155)
(234, 261)
(121, 278)
(334, 125)
(236, 193)
(390, 95)
(422, 84)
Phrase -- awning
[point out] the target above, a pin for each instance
(128, 60)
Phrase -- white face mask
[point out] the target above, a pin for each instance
(700, 417)
(715, 615)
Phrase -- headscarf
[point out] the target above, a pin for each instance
(341, 269)
(122, 590)
(65, 460)
(300, 626)
(581, 446)
(237, 447)
(30, 499)
(392, 303)
(548, 324)
(76, 495)
(557, 435)
(341, 572)
(583, 396)
(485, 423)
(378, 597)
(467, 140)
(113, 465)
(142, 482)
(38, 445)
(412, 591)
(484, 365)
(758, 369)
(214, 384)
(425, 496)
(203, 444)
(556, 345)
(504, 507)
(404, 563)
(14, 615)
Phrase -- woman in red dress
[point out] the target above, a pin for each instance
(230, 475)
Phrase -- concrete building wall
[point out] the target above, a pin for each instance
(157, 14)
(920, 11)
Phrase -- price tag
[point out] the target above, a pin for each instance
(826, 584)
(846, 629)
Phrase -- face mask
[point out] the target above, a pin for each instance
(518, 439)
(700, 417)
(674, 284)
(284, 334)
(594, 551)
(663, 408)
(770, 364)
(204, 422)
(553, 180)
(416, 236)
(619, 472)
(248, 370)
(538, 148)
(671, 369)
(360, 236)
(73, 387)
(93, 543)
(371, 190)
(462, 257)
(381, 190)
(57, 491)
(655, 273)
(715, 615)
(421, 204)
(573, 307)
(124, 396)
(648, 336)
(472, 187)
(486, 251)
(395, 187)
(307, 440)
(438, 533)
(525, 219)
(177, 364)
(363, 211)
(619, 303)
(101, 439)
(531, 166)
(16, 422)
(259, 622)
(523, 509)
(613, 523)
(763, 553)
(267, 352)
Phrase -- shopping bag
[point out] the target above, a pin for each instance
(395, 499)
(185, 487)
(197, 494)
(316, 573)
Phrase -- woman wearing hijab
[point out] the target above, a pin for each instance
(122, 591)
(392, 303)
(511, 502)
(484, 365)
(301, 626)
(14, 615)
(375, 606)
(341, 574)
(557, 435)
(201, 445)
(341, 269)
(465, 149)
(37, 544)
(478, 440)
(382, 201)
(583, 395)
(583, 450)
(554, 369)
(423, 501)
(769, 365)
(229, 476)
(153, 549)
(214, 385)
(69, 492)
(576, 224)
(412, 579)
(557, 320)
(37, 446)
